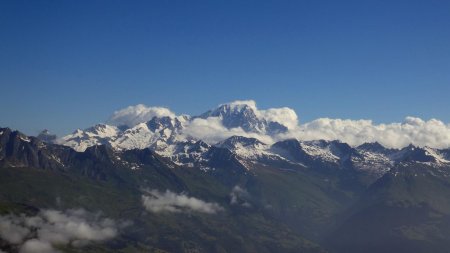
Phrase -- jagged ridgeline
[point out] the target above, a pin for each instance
(154, 185)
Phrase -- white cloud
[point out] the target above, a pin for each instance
(11, 230)
(239, 196)
(211, 130)
(238, 104)
(285, 116)
(133, 115)
(156, 201)
(37, 246)
(433, 133)
(73, 227)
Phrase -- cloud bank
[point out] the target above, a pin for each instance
(433, 133)
(133, 115)
(156, 201)
(285, 116)
(39, 234)
(211, 130)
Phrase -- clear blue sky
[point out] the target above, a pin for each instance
(70, 64)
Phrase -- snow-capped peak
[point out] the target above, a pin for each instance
(245, 115)
(100, 134)
(102, 130)
(240, 105)
(133, 115)
(235, 141)
(164, 122)
(436, 154)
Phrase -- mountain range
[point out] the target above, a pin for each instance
(167, 136)
(248, 186)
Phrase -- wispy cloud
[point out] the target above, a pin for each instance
(38, 234)
(156, 201)
(239, 196)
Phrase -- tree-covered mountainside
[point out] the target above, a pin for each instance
(407, 210)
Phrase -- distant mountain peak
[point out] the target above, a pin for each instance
(241, 115)
(241, 103)
(46, 136)
(371, 146)
(233, 141)
(245, 115)
(164, 122)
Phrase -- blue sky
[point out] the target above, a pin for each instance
(70, 64)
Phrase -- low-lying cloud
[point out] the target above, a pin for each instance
(133, 115)
(239, 196)
(433, 133)
(39, 233)
(211, 130)
(285, 116)
(156, 201)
